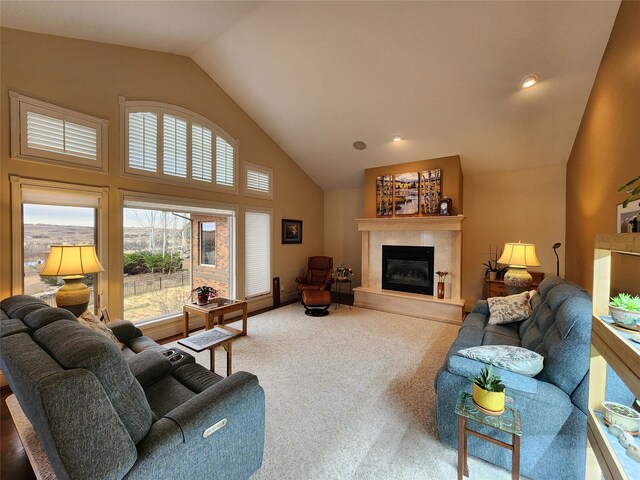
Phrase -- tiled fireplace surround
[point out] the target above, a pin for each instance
(442, 233)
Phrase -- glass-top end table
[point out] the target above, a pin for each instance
(508, 422)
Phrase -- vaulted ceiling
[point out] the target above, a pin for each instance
(317, 76)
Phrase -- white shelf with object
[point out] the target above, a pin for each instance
(610, 345)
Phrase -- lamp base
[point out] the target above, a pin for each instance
(73, 295)
(517, 280)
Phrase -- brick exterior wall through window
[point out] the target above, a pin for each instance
(218, 275)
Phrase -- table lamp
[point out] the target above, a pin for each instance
(518, 256)
(72, 262)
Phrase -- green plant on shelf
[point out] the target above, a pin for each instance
(632, 189)
(626, 302)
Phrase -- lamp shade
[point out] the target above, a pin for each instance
(72, 260)
(519, 255)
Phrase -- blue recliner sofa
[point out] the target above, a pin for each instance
(553, 404)
(136, 411)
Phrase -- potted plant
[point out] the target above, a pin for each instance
(342, 273)
(488, 391)
(632, 189)
(493, 269)
(203, 293)
(625, 310)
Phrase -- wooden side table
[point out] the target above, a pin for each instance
(508, 422)
(338, 284)
(217, 308)
(497, 288)
(218, 337)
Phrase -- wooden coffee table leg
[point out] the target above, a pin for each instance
(227, 347)
(185, 323)
(212, 352)
(244, 319)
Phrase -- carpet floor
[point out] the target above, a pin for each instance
(350, 395)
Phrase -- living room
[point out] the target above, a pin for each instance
(541, 165)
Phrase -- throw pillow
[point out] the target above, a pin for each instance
(89, 320)
(513, 308)
(515, 359)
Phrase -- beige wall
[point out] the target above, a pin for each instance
(342, 241)
(89, 77)
(606, 152)
(525, 205)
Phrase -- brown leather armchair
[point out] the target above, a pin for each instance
(319, 274)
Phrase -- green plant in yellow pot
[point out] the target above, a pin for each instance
(488, 391)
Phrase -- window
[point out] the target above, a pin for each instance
(45, 213)
(258, 180)
(207, 243)
(45, 132)
(177, 145)
(172, 246)
(257, 253)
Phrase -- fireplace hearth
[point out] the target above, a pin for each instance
(408, 269)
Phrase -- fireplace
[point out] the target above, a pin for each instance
(408, 269)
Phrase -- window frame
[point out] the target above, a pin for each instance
(192, 118)
(21, 105)
(260, 169)
(100, 194)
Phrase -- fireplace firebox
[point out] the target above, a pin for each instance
(408, 269)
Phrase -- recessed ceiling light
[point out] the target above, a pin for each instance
(397, 138)
(359, 145)
(530, 81)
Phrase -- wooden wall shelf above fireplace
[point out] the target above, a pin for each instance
(453, 223)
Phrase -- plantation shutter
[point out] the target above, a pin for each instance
(143, 141)
(52, 133)
(201, 155)
(258, 181)
(174, 146)
(224, 162)
(257, 253)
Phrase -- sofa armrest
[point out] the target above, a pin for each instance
(482, 306)
(124, 330)
(466, 367)
(221, 400)
(179, 437)
(149, 366)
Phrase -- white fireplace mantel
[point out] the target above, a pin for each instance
(444, 233)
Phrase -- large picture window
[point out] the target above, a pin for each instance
(177, 145)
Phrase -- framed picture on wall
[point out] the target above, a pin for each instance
(291, 231)
(430, 191)
(384, 196)
(405, 193)
(627, 218)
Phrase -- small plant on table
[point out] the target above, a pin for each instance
(204, 293)
(488, 391)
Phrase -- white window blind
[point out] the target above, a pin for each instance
(201, 156)
(174, 147)
(143, 141)
(257, 253)
(258, 181)
(224, 162)
(55, 134)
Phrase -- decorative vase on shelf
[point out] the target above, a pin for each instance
(441, 290)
